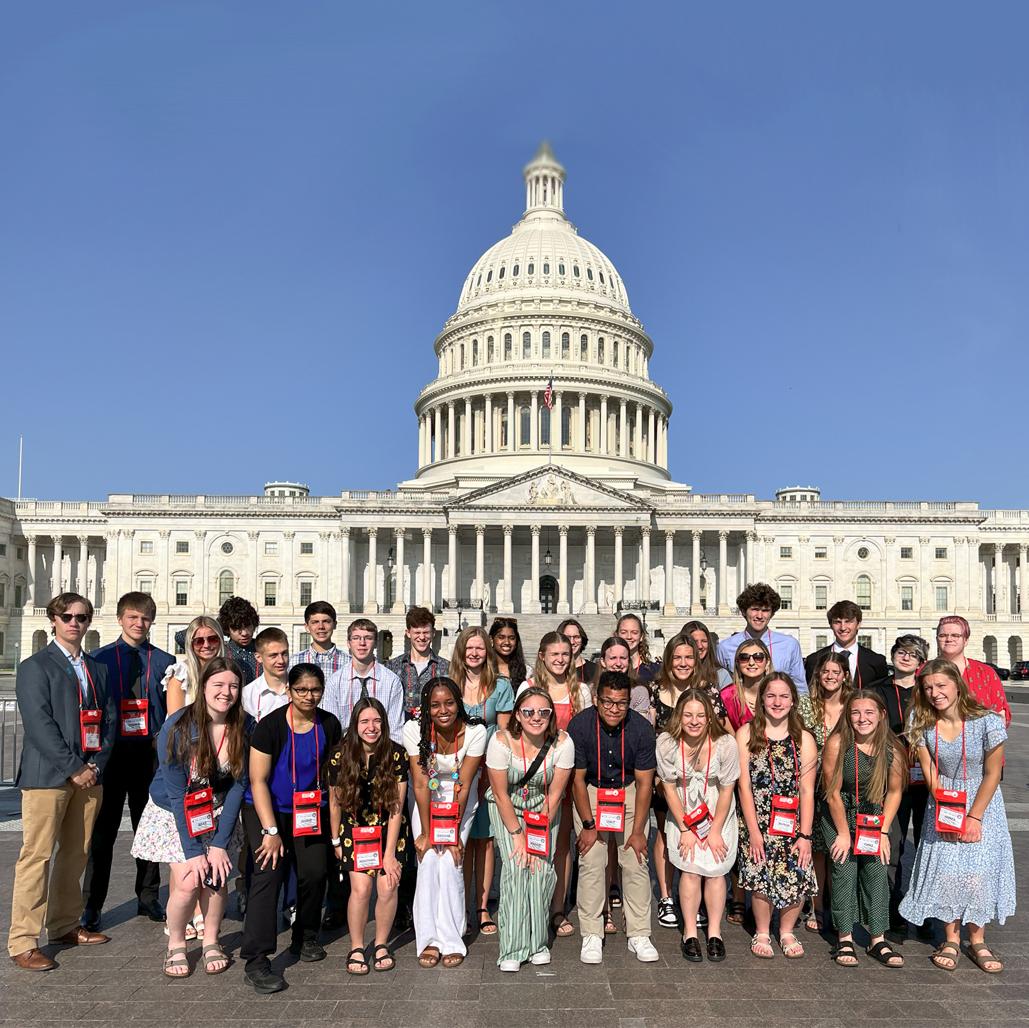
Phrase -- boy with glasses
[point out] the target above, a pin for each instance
(419, 665)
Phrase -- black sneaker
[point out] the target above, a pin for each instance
(309, 950)
(264, 980)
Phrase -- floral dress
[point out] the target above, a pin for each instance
(780, 878)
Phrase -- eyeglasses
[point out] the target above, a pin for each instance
(757, 658)
(613, 704)
(205, 640)
(362, 638)
(306, 690)
(908, 653)
(530, 712)
(79, 619)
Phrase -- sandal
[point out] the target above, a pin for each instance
(844, 953)
(453, 959)
(792, 950)
(737, 912)
(429, 957)
(885, 954)
(486, 927)
(614, 897)
(561, 926)
(214, 954)
(813, 922)
(757, 946)
(198, 925)
(610, 928)
(177, 958)
(191, 932)
(943, 952)
(980, 954)
(376, 959)
(357, 958)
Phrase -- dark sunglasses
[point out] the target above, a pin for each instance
(206, 640)
(759, 658)
(81, 619)
(529, 713)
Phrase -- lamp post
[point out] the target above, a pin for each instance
(391, 563)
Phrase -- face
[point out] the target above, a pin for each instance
(534, 715)
(574, 636)
(616, 658)
(305, 693)
(557, 658)
(442, 708)
(751, 661)
(70, 627)
(940, 691)
(320, 627)
(420, 637)
(612, 706)
(505, 641)
(274, 657)
(830, 678)
(864, 716)
(135, 625)
(369, 726)
(694, 719)
(474, 653)
(242, 636)
(758, 618)
(683, 663)
(906, 661)
(951, 641)
(777, 701)
(700, 641)
(221, 692)
(206, 643)
(845, 630)
(629, 630)
(362, 643)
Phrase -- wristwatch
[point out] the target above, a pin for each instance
(589, 825)
(273, 831)
(804, 835)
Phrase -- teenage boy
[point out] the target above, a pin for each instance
(419, 665)
(135, 669)
(364, 676)
(758, 604)
(320, 622)
(615, 752)
(239, 621)
(267, 692)
(866, 666)
(69, 719)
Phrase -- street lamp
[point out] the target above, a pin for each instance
(391, 563)
(548, 557)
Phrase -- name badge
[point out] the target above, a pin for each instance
(785, 812)
(537, 833)
(89, 730)
(698, 820)
(915, 776)
(443, 824)
(367, 848)
(307, 812)
(610, 810)
(135, 718)
(867, 835)
(199, 806)
(950, 810)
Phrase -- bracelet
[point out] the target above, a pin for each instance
(804, 835)
(334, 843)
(517, 831)
(974, 818)
(589, 825)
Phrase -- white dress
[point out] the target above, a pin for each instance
(725, 770)
(180, 672)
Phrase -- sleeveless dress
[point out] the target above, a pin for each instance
(500, 701)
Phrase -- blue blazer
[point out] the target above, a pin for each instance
(48, 695)
(150, 656)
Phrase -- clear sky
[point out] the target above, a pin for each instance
(230, 231)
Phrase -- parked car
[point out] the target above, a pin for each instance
(1020, 672)
(1003, 673)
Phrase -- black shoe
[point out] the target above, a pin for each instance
(309, 950)
(151, 909)
(334, 919)
(90, 920)
(264, 980)
(715, 949)
(691, 950)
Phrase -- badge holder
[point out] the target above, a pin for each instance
(199, 805)
(783, 820)
(89, 729)
(698, 820)
(134, 722)
(443, 819)
(915, 776)
(307, 812)
(950, 811)
(868, 835)
(537, 833)
(367, 848)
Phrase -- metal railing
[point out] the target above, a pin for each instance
(10, 740)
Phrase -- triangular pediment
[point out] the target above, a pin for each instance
(548, 488)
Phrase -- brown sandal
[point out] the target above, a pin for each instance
(561, 926)
(177, 958)
(429, 957)
(943, 952)
(453, 959)
(213, 954)
(980, 954)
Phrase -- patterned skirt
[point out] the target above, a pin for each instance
(157, 837)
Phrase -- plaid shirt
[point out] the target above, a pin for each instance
(412, 680)
(330, 662)
(244, 656)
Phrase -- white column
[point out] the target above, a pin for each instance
(652, 433)
(977, 597)
(662, 441)
(488, 427)
(555, 422)
(695, 607)
(421, 440)
(581, 433)
(669, 562)
(480, 561)
(723, 568)
(603, 424)
(534, 422)
(163, 596)
(344, 569)
(619, 569)
(57, 567)
(466, 444)
(590, 600)
(645, 564)
(750, 576)
(562, 578)
(288, 598)
(371, 600)
(637, 431)
(512, 428)
(891, 596)
(1023, 578)
(623, 434)
(534, 594)
(252, 542)
(427, 568)
(82, 578)
(451, 441)
(452, 563)
(1000, 585)
(400, 595)
(437, 418)
(30, 571)
(327, 543)
(508, 597)
(199, 569)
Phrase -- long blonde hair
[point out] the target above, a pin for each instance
(192, 663)
(459, 668)
(542, 678)
(737, 678)
(925, 714)
(673, 726)
(885, 747)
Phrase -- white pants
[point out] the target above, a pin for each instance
(439, 902)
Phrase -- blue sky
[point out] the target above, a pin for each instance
(229, 232)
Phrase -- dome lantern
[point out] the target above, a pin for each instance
(544, 182)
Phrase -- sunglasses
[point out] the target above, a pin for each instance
(757, 658)
(531, 712)
(205, 640)
(79, 619)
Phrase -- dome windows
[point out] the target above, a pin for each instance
(546, 346)
(501, 273)
(531, 270)
(475, 352)
(489, 276)
(514, 271)
(566, 346)
(600, 349)
(526, 346)
(546, 267)
(478, 281)
(507, 346)
(584, 348)
(589, 274)
(561, 269)
(575, 270)
(601, 278)
(489, 350)
(614, 353)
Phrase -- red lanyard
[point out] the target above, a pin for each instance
(217, 754)
(622, 768)
(121, 681)
(78, 685)
(293, 748)
(707, 770)
(936, 753)
(525, 770)
(796, 763)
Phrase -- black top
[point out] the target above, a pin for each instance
(871, 666)
(888, 692)
(639, 748)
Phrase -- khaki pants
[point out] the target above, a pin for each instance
(64, 818)
(592, 889)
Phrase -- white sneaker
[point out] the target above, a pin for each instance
(510, 965)
(540, 958)
(592, 951)
(643, 948)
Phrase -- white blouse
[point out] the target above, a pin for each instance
(499, 757)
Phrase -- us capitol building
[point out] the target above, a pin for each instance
(542, 488)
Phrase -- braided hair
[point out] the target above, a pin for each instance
(425, 718)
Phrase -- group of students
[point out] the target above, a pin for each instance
(328, 782)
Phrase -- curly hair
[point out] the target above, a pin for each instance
(425, 718)
(760, 594)
(345, 765)
(516, 662)
(237, 614)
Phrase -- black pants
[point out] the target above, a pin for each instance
(911, 811)
(128, 775)
(310, 854)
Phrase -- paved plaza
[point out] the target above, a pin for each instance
(122, 981)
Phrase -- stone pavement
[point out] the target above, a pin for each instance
(122, 981)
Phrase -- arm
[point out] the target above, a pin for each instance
(556, 795)
(420, 784)
(796, 668)
(512, 822)
(895, 785)
(176, 695)
(395, 711)
(469, 769)
(271, 848)
(336, 821)
(35, 704)
(834, 801)
(747, 808)
(993, 765)
(176, 775)
(232, 806)
(725, 654)
(808, 766)
(390, 863)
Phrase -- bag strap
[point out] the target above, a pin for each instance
(533, 767)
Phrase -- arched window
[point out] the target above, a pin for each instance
(561, 268)
(526, 346)
(584, 348)
(575, 270)
(460, 357)
(546, 346)
(501, 274)
(514, 271)
(531, 270)
(489, 275)
(863, 592)
(566, 426)
(507, 346)
(524, 423)
(614, 353)
(226, 586)
(490, 355)
(566, 346)
(546, 267)
(601, 278)
(544, 426)
(503, 430)
(589, 274)
(600, 349)
(475, 352)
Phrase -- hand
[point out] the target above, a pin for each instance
(519, 853)
(392, 867)
(337, 852)
(757, 848)
(716, 844)
(973, 831)
(458, 852)
(196, 871)
(802, 849)
(271, 849)
(840, 848)
(687, 841)
(884, 848)
(84, 778)
(421, 845)
(637, 842)
(220, 866)
(586, 841)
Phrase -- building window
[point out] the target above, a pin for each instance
(507, 346)
(546, 345)
(865, 640)
(907, 597)
(821, 641)
(584, 348)
(575, 270)
(489, 347)
(785, 553)
(146, 546)
(906, 552)
(226, 586)
(460, 351)
(3, 549)
(3, 644)
(306, 549)
(305, 640)
(942, 598)
(271, 548)
(863, 591)
(941, 554)
(19, 595)
(821, 553)
(531, 270)
(600, 349)
(614, 353)
(181, 593)
(306, 591)
(500, 274)
(862, 553)
(489, 276)
(546, 267)
(561, 268)
(786, 595)
(145, 585)
(526, 346)
(475, 353)
(504, 443)
(589, 274)
(182, 546)
(3, 594)
(566, 346)
(544, 426)
(269, 594)
(821, 597)
(20, 553)
(514, 271)
(524, 423)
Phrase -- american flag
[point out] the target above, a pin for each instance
(548, 395)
